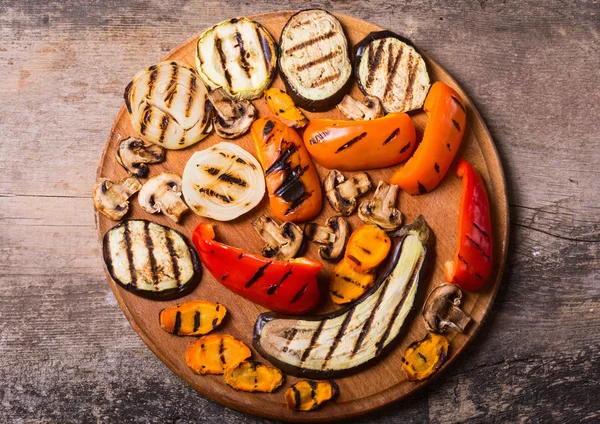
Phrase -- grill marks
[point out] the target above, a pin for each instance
(243, 60)
(196, 321)
(274, 288)
(325, 80)
(479, 248)
(318, 61)
(233, 179)
(193, 86)
(313, 340)
(392, 136)
(257, 275)
(211, 193)
(310, 42)
(487, 237)
(391, 71)
(174, 257)
(150, 247)
(223, 60)
(412, 73)
(336, 340)
(177, 326)
(300, 294)
(374, 61)
(367, 325)
(129, 252)
(172, 86)
(458, 102)
(456, 125)
(351, 142)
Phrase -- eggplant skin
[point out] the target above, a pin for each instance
(414, 69)
(333, 373)
(181, 290)
(312, 105)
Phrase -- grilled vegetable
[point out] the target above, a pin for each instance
(360, 145)
(423, 358)
(133, 154)
(231, 118)
(292, 180)
(215, 353)
(370, 108)
(388, 67)
(150, 260)
(284, 108)
(341, 342)
(238, 55)
(342, 193)
(287, 287)
(251, 376)
(382, 210)
(441, 140)
(333, 237)
(112, 199)
(347, 284)
(472, 262)
(283, 241)
(168, 105)
(308, 395)
(442, 310)
(193, 318)
(314, 61)
(223, 182)
(367, 248)
(162, 193)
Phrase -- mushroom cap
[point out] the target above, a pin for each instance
(111, 199)
(133, 154)
(382, 210)
(342, 193)
(232, 118)
(162, 193)
(441, 309)
(283, 241)
(341, 230)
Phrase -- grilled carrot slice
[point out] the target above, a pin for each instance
(251, 376)
(367, 247)
(346, 284)
(284, 108)
(215, 353)
(424, 357)
(192, 318)
(308, 395)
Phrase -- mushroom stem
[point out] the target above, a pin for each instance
(333, 237)
(381, 210)
(342, 193)
(282, 241)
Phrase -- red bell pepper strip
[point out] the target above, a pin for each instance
(286, 287)
(472, 263)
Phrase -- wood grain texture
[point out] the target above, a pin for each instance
(67, 354)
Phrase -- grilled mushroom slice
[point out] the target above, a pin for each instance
(381, 210)
(133, 154)
(232, 118)
(369, 109)
(111, 199)
(283, 241)
(342, 193)
(333, 236)
(442, 309)
(162, 193)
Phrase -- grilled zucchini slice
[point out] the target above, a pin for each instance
(314, 61)
(168, 105)
(388, 67)
(151, 260)
(238, 55)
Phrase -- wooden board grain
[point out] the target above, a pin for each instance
(382, 383)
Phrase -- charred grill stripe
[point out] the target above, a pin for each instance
(458, 102)
(193, 86)
(164, 123)
(325, 80)
(381, 343)
(292, 189)
(313, 340)
(412, 73)
(487, 237)
(266, 49)
(310, 42)
(297, 203)
(108, 255)
(215, 322)
(223, 61)
(354, 259)
(374, 64)
(317, 61)
(232, 179)
(212, 170)
(297, 399)
(243, 162)
(423, 357)
(172, 85)
(392, 136)
(258, 274)
(422, 188)
(243, 61)
(336, 340)
(177, 326)
(387, 91)
(152, 81)
(405, 148)
(147, 115)
(437, 168)
(211, 193)
(150, 247)
(129, 252)
(280, 164)
(336, 294)
(174, 258)
(367, 251)
(274, 288)
(478, 246)
(269, 125)
(448, 146)
(351, 142)
(196, 321)
(367, 325)
(456, 125)
(300, 294)
(479, 277)
(221, 351)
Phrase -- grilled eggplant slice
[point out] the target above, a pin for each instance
(151, 260)
(344, 341)
(388, 67)
(314, 60)
(238, 55)
(168, 105)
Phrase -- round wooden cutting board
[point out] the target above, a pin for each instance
(381, 383)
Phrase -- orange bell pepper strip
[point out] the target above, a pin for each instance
(472, 263)
(441, 141)
(360, 145)
(292, 181)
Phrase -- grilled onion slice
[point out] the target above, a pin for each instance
(238, 55)
(151, 260)
(168, 105)
(223, 182)
(342, 342)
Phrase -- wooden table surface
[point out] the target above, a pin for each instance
(67, 353)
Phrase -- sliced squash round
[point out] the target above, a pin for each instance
(214, 353)
(347, 284)
(251, 376)
(192, 318)
(424, 357)
(308, 395)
